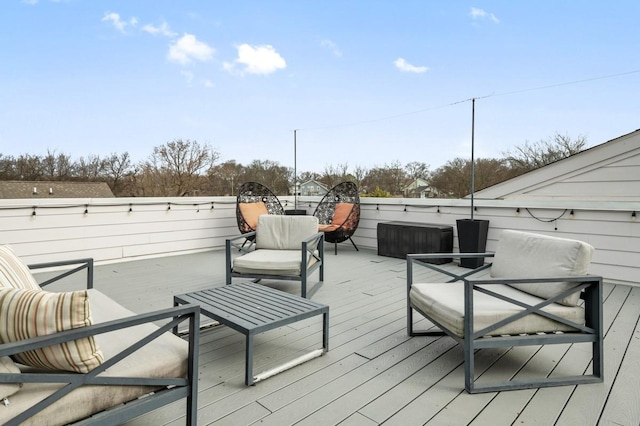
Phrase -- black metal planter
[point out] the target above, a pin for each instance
(472, 238)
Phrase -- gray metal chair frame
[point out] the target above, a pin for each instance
(252, 192)
(590, 288)
(170, 389)
(344, 192)
(307, 252)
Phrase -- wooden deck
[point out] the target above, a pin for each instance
(373, 373)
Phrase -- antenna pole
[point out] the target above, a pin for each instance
(473, 162)
(295, 170)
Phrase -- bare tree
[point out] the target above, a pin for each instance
(29, 167)
(269, 173)
(390, 178)
(90, 168)
(529, 156)
(116, 168)
(398, 178)
(307, 176)
(453, 180)
(57, 166)
(417, 170)
(333, 175)
(8, 168)
(178, 167)
(224, 178)
(359, 174)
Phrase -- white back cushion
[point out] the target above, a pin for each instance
(527, 255)
(281, 232)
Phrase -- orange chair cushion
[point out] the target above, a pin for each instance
(342, 213)
(251, 212)
(327, 228)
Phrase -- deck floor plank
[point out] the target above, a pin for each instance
(574, 404)
(621, 408)
(374, 373)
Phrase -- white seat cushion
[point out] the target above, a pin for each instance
(445, 303)
(271, 262)
(527, 255)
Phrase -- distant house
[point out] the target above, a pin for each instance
(418, 188)
(312, 187)
(53, 189)
(606, 172)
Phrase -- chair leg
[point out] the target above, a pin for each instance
(354, 244)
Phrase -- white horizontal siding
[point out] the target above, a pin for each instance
(612, 232)
(110, 232)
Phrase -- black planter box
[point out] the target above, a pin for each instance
(472, 238)
(397, 239)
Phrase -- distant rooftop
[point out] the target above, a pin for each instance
(54, 189)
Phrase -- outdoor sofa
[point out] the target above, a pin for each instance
(79, 357)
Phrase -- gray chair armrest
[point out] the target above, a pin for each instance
(86, 263)
(414, 259)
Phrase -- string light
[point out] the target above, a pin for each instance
(86, 209)
(633, 215)
(33, 213)
(571, 214)
(518, 211)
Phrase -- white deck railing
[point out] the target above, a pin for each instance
(125, 228)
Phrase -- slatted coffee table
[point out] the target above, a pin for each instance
(251, 309)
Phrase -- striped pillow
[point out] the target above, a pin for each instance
(13, 272)
(30, 313)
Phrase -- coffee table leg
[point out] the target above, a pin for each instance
(248, 368)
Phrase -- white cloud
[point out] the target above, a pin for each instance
(117, 22)
(187, 49)
(482, 14)
(328, 44)
(209, 84)
(162, 29)
(261, 59)
(405, 66)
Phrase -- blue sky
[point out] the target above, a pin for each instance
(365, 83)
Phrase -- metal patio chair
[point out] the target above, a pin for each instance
(339, 214)
(531, 297)
(254, 199)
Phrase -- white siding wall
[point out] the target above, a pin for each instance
(109, 232)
